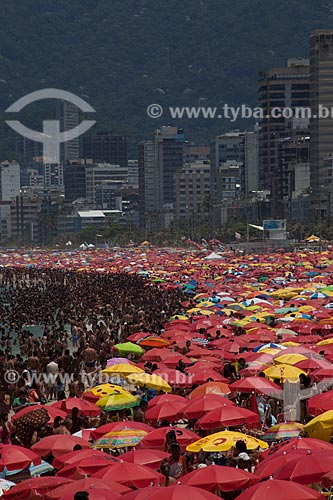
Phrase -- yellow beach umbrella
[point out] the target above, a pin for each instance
(223, 441)
(205, 312)
(117, 401)
(270, 350)
(197, 310)
(286, 293)
(289, 359)
(106, 389)
(120, 439)
(206, 303)
(236, 306)
(238, 322)
(325, 342)
(306, 309)
(122, 369)
(320, 427)
(284, 430)
(290, 343)
(152, 381)
(283, 372)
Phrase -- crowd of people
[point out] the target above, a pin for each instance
(80, 316)
(59, 329)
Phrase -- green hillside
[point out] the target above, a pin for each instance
(122, 55)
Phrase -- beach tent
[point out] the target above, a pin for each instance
(213, 256)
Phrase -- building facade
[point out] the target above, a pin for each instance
(159, 161)
(68, 116)
(192, 192)
(280, 88)
(75, 180)
(9, 188)
(102, 172)
(105, 147)
(321, 129)
(234, 170)
(109, 196)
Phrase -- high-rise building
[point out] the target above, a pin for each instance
(192, 153)
(251, 170)
(32, 177)
(292, 172)
(75, 180)
(192, 193)
(133, 173)
(234, 169)
(109, 196)
(286, 87)
(68, 116)
(24, 212)
(98, 173)
(321, 129)
(53, 176)
(159, 160)
(9, 188)
(105, 147)
(27, 150)
(9, 180)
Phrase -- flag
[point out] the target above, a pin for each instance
(238, 236)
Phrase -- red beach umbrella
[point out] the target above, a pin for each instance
(165, 398)
(129, 474)
(149, 458)
(203, 404)
(156, 438)
(306, 469)
(97, 494)
(87, 484)
(227, 415)
(16, 457)
(77, 456)
(299, 443)
(279, 490)
(58, 444)
(36, 486)
(168, 411)
(178, 492)
(218, 477)
(88, 409)
(257, 385)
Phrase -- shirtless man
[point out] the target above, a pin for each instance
(89, 356)
(33, 363)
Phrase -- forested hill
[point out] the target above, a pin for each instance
(122, 55)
